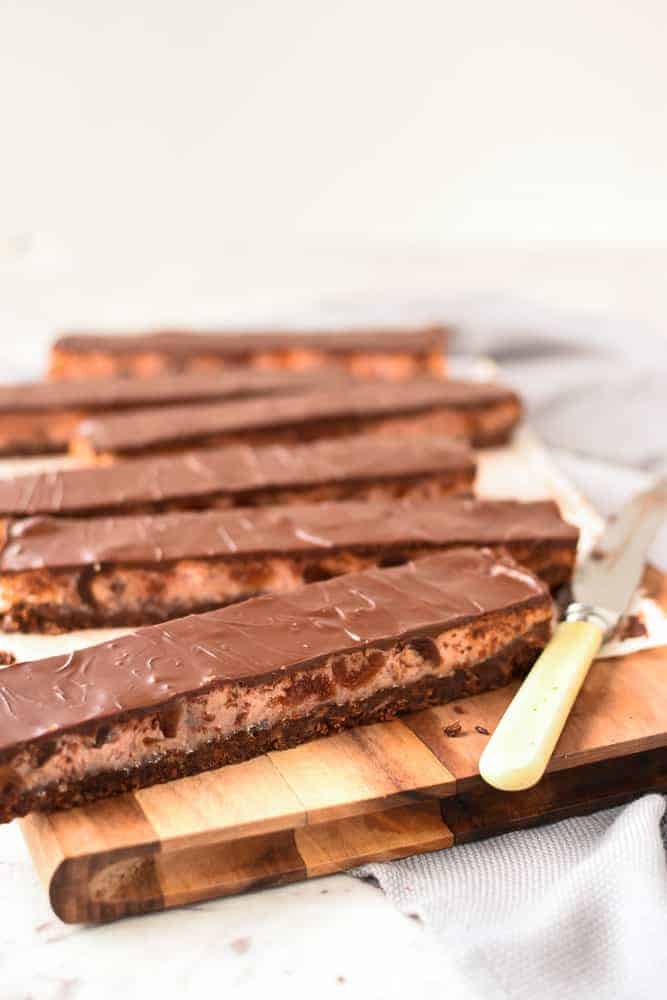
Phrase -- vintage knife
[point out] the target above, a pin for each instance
(520, 748)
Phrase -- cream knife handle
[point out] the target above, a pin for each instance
(520, 748)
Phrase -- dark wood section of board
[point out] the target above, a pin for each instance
(482, 811)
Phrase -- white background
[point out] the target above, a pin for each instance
(167, 162)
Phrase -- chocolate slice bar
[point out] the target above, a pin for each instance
(248, 476)
(484, 413)
(273, 672)
(371, 353)
(40, 417)
(59, 574)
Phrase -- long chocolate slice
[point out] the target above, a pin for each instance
(213, 689)
(63, 573)
(244, 475)
(40, 417)
(370, 352)
(485, 413)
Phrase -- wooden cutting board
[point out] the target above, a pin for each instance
(374, 793)
(370, 794)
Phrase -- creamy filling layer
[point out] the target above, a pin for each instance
(189, 722)
(389, 365)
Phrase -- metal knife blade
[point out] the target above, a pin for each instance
(606, 581)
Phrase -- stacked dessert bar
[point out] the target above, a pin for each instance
(39, 418)
(287, 523)
(375, 353)
(60, 574)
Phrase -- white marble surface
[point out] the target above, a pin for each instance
(332, 937)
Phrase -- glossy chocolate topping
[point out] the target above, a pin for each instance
(359, 400)
(242, 343)
(128, 393)
(231, 470)
(55, 543)
(258, 640)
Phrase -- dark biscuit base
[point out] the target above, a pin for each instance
(517, 657)
(21, 448)
(488, 440)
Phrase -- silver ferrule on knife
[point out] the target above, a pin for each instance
(607, 621)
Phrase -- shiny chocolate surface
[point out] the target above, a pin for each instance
(56, 543)
(231, 470)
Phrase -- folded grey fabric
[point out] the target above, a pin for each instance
(594, 387)
(574, 911)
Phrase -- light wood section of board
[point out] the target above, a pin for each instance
(241, 800)
(362, 769)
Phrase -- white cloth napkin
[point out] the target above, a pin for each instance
(577, 909)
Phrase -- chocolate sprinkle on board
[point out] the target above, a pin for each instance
(631, 627)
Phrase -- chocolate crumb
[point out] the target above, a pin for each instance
(631, 627)
(6, 658)
(341, 979)
(102, 736)
(597, 555)
(240, 945)
(453, 729)
(483, 730)
(459, 710)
